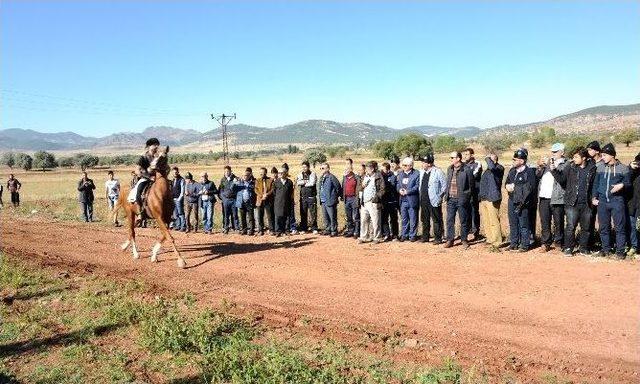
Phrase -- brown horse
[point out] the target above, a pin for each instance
(159, 207)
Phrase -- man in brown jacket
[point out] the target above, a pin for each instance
(264, 201)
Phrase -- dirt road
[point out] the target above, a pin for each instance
(520, 315)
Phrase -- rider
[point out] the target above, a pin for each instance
(145, 168)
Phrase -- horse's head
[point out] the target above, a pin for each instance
(161, 162)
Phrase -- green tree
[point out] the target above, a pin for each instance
(412, 145)
(88, 161)
(8, 159)
(66, 162)
(448, 143)
(538, 140)
(384, 149)
(315, 156)
(497, 144)
(44, 160)
(627, 136)
(573, 142)
(24, 161)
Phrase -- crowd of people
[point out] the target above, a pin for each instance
(386, 202)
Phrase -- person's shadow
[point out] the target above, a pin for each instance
(228, 248)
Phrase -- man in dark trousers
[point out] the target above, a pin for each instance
(389, 204)
(85, 196)
(178, 187)
(192, 197)
(521, 187)
(490, 196)
(245, 190)
(228, 197)
(474, 214)
(330, 191)
(283, 190)
(307, 181)
(577, 180)
(633, 196)
(433, 185)
(208, 192)
(350, 184)
(460, 186)
(264, 201)
(409, 188)
(608, 194)
(551, 198)
(13, 186)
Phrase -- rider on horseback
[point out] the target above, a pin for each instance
(144, 172)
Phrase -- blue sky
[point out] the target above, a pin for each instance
(102, 67)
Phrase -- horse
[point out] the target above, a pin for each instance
(159, 207)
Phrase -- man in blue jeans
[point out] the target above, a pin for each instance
(330, 190)
(228, 196)
(608, 195)
(408, 188)
(460, 189)
(177, 190)
(350, 184)
(208, 192)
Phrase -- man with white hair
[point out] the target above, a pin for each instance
(408, 188)
(551, 198)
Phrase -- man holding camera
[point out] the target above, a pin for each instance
(521, 187)
(551, 198)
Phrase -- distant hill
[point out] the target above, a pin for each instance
(596, 119)
(308, 132)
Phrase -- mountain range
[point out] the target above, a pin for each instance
(305, 133)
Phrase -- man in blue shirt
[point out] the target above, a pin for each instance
(408, 188)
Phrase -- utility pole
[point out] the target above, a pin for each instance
(223, 120)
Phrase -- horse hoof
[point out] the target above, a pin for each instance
(154, 259)
(181, 264)
(136, 256)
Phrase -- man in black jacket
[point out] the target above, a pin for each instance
(474, 214)
(633, 200)
(460, 187)
(521, 186)
(577, 180)
(85, 196)
(490, 196)
(389, 204)
(307, 181)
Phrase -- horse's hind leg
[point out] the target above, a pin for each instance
(131, 218)
(164, 235)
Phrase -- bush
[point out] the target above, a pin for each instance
(315, 156)
(497, 144)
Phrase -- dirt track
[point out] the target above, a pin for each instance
(513, 314)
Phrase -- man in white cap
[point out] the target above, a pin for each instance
(551, 198)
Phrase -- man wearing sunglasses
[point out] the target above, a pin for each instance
(460, 187)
